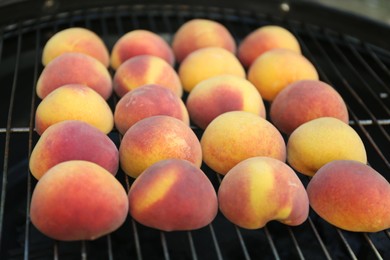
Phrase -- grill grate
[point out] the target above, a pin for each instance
(358, 70)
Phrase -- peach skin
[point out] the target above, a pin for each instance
(322, 140)
(238, 135)
(173, 195)
(220, 94)
(201, 33)
(74, 102)
(275, 69)
(260, 189)
(157, 138)
(78, 200)
(264, 39)
(351, 195)
(146, 101)
(74, 68)
(140, 42)
(73, 140)
(304, 100)
(206, 63)
(146, 69)
(76, 39)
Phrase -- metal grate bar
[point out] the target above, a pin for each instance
(192, 246)
(30, 140)
(271, 242)
(8, 134)
(373, 247)
(294, 239)
(358, 75)
(215, 241)
(319, 239)
(242, 243)
(164, 245)
(83, 250)
(346, 244)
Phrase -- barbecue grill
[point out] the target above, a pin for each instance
(351, 53)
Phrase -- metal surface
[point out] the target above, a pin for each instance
(358, 70)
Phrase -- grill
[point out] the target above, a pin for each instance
(354, 62)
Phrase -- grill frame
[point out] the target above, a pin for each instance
(317, 43)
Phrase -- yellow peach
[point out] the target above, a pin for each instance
(264, 39)
(220, 94)
(238, 135)
(146, 69)
(173, 194)
(351, 195)
(78, 200)
(260, 189)
(322, 140)
(206, 63)
(304, 100)
(201, 33)
(73, 140)
(146, 101)
(275, 69)
(74, 68)
(75, 39)
(140, 42)
(74, 102)
(157, 138)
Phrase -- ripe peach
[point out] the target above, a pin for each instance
(264, 39)
(145, 69)
(78, 200)
(260, 189)
(73, 140)
(238, 135)
(74, 68)
(304, 100)
(146, 101)
(76, 39)
(351, 195)
(74, 102)
(173, 194)
(157, 138)
(201, 33)
(140, 42)
(220, 94)
(322, 140)
(206, 63)
(275, 69)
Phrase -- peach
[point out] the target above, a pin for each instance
(206, 63)
(261, 189)
(173, 195)
(275, 69)
(157, 138)
(238, 135)
(146, 69)
(73, 140)
(74, 102)
(220, 94)
(78, 200)
(74, 68)
(322, 140)
(140, 42)
(76, 39)
(304, 100)
(201, 33)
(351, 195)
(146, 101)
(264, 39)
